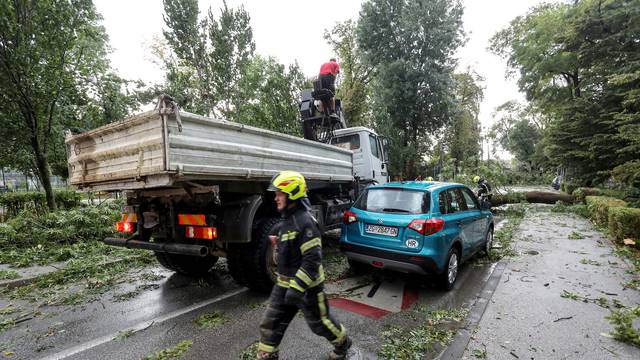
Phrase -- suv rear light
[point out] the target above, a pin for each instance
(349, 217)
(427, 226)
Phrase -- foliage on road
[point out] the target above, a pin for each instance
(436, 327)
(249, 353)
(81, 280)
(8, 274)
(171, 353)
(211, 319)
(623, 321)
(32, 239)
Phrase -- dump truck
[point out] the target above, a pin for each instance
(195, 187)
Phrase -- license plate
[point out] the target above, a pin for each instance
(381, 230)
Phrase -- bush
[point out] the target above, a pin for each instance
(599, 206)
(580, 193)
(569, 187)
(62, 226)
(15, 202)
(624, 223)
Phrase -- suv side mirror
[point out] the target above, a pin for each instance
(485, 205)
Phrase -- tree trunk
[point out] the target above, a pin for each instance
(538, 197)
(44, 171)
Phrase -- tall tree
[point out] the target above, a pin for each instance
(270, 92)
(579, 64)
(206, 58)
(353, 88)
(463, 134)
(411, 44)
(51, 53)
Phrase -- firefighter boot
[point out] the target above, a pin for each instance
(340, 349)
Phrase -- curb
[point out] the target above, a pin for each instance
(456, 349)
(14, 283)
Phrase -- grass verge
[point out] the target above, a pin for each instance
(436, 327)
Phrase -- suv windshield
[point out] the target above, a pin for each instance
(393, 201)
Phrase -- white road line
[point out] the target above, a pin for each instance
(141, 326)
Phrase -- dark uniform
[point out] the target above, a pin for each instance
(484, 189)
(299, 272)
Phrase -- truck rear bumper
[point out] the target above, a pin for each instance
(173, 248)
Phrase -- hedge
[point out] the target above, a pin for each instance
(15, 202)
(569, 187)
(624, 223)
(599, 206)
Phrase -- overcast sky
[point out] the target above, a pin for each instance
(292, 30)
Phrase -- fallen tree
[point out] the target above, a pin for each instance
(539, 197)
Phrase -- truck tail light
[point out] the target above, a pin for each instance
(427, 226)
(349, 217)
(198, 232)
(124, 227)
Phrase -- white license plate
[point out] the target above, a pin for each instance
(381, 230)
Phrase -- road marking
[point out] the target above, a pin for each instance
(373, 300)
(141, 326)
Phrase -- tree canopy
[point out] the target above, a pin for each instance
(579, 65)
(411, 43)
(53, 75)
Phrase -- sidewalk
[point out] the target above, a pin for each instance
(527, 318)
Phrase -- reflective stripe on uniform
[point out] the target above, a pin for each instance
(282, 283)
(289, 236)
(294, 284)
(339, 333)
(319, 279)
(302, 275)
(267, 348)
(310, 244)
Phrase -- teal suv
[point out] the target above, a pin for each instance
(418, 227)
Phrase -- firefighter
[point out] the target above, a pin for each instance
(484, 189)
(300, 274)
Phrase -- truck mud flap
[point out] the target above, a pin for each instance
(238, 219)
(173, 248)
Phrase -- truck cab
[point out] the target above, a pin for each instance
(369, 153)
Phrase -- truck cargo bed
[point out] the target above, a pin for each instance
(148, 150)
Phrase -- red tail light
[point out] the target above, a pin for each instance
(124, 227)
(196, 232)
(349, 217)
(427, 226)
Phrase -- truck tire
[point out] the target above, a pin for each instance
(252, 264)
(185, 264)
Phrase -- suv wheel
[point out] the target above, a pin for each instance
(450, 273)
(488, 242)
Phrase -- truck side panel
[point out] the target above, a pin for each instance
(229, 150)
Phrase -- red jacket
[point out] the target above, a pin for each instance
(330, 67)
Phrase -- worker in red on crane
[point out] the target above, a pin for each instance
(328, 73)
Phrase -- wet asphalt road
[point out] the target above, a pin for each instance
(160, 318)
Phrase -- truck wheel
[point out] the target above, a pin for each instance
(252, 264)
(185, 264)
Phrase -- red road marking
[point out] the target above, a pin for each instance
(409, 297)
(358, 308)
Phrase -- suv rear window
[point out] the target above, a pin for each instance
(390, 200)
